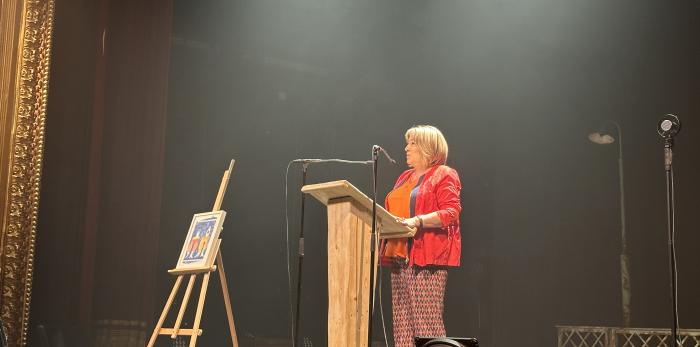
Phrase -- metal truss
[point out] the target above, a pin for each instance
(587, 336)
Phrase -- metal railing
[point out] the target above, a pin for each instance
(586, 336)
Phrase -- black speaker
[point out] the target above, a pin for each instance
(422, 341)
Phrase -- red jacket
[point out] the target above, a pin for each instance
(439, 191)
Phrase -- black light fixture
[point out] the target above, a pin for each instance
(422, 341)
(669, 126)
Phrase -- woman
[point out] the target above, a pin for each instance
(425, 197)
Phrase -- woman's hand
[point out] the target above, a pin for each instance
(430, 220)
(413, 222)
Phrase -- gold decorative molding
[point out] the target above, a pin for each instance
(25, 47)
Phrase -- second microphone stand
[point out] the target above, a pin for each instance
(373, 241)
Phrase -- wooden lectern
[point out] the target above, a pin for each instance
(349, 231)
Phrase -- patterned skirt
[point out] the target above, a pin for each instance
(417, 298)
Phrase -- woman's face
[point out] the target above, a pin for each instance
(414, 158)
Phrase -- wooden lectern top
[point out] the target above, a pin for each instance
(387, 226)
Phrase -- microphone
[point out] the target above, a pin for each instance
(669, 126)
(377, 148)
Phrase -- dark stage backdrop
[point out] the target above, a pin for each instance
(515, 86)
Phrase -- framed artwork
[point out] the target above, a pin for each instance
(202, 236)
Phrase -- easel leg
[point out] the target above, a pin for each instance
(227, 300)
(200, 308)
(169, 303)
(183, 306)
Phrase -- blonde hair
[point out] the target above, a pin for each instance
(430, 142)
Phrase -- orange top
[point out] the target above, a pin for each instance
(399, 202)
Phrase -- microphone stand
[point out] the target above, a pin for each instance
(304, 168)
(668, 166)
(300, 263)
(373, 241)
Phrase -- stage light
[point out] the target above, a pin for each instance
(601, 138)
(669, 126)
(604, 137)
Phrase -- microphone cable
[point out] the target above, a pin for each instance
(286, 234)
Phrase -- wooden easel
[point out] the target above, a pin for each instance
(195, 332)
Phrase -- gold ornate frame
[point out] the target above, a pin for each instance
(25, 47)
